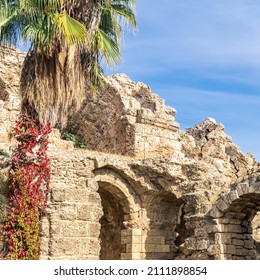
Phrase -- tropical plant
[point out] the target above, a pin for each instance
(105, 42)
(68, 40)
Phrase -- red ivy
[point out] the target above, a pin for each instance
(29, 188)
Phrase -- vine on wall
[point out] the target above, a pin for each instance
(28, 190)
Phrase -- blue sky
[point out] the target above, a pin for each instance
(203, 58)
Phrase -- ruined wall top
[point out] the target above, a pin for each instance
(127, 118)
(139, 101)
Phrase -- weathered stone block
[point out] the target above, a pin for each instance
(216, 212)
(229, 221)
(235, 215)
(136, 231)
(232, 228)
(57, 194)
(132, 256)
(126, 232)
(85, 213)
(153, 248)
(153, 240)
(131, 239)
(79, 195)
(93, 198)
(238, 236)
(229, 249)
(44, 227)
(224, 257)
(233, 195)
(202, 244)
(214, 250)
(92, 184)
(89, 246)
(244, 188)
(44, 245)
(223, 238)
(63, 246)
(249, 244)
(238, 242)
(243, 252)
(68, 212)
(155, 232)
(93, 229)
(55, 228)
(222, 205)
(133, 248)
(214, 228)
(200, 232)
(131, 232)
(75, 229)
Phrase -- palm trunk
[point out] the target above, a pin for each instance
(54, 87)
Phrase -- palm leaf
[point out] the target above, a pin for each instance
(126, 13)
(96, 74)
(7, 20)
(73, 31)
(109, 48)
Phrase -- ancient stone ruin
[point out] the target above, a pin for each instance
(142, 189)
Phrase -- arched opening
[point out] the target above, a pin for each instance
(165, 212)
(111, 225)
(120, 220)
(237, 225)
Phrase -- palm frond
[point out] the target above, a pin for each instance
(73, 31)
(126, 13)
(5, 21)
(96, 75)
(103, 43)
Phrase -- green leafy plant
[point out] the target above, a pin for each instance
(72, 137)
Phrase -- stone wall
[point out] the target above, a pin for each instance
(126, 118)
(142, 189)
(10, 67)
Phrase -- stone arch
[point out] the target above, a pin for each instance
(121, 221)
(233, 215)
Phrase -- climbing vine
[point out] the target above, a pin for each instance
(28, 190)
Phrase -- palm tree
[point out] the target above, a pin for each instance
(68, 40)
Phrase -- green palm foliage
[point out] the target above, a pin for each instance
(39, 22)
(67, 31)
(105, 41)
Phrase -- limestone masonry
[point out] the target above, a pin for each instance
(142, 189)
